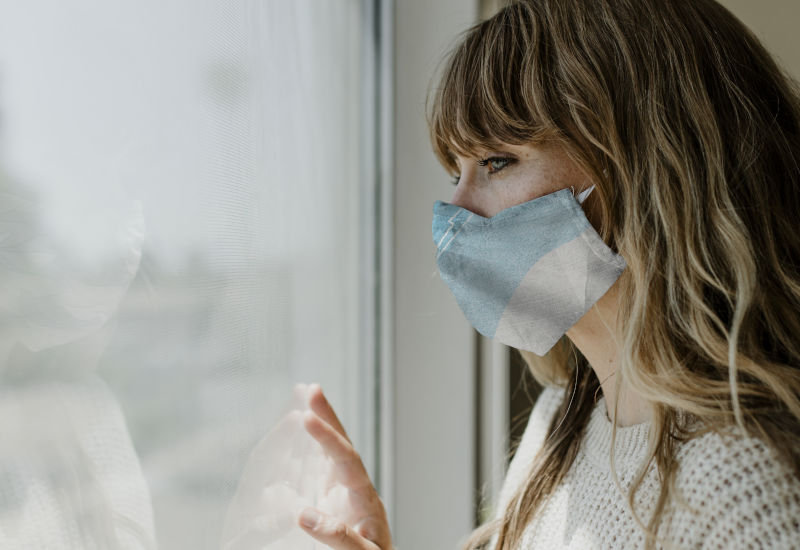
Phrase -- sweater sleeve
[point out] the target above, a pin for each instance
(532, 440)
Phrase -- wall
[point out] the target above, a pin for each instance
(433, 343)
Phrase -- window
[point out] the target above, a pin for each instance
(187, 219)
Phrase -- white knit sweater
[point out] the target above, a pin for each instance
(69, 475)
(740, 495)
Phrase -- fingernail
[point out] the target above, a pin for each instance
(309, 518)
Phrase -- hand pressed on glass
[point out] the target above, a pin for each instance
(350, 515)
(285, 471)
(289, 471)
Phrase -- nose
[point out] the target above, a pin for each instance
(469, 195)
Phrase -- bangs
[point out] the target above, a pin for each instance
(493, 89)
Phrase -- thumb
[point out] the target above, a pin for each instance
(332, 532)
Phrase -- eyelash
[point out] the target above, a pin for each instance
(485, 162)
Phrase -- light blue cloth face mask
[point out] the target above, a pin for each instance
(526, 275)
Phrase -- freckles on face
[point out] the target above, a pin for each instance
(508, 175)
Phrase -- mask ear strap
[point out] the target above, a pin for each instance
(583, 194)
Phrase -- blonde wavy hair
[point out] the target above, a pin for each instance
(691, 133)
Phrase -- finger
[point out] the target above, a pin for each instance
(245, 531)
(288, 426)
(253, 525)
(349, 470)
(278, 442)
(282, 435)
(300, 396)
(319, 404)
(273, 458)
(332, 532)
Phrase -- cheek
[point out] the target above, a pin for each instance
(523, 189)
(592, 209)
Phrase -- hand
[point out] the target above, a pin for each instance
(350, 514)
(286, 470)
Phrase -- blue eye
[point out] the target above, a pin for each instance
(495, 164)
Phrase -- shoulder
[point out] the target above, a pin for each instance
(546, 404)
(726, 464)
(735, 492)
(539, 421)
(532, 440)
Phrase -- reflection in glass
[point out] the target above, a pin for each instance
(179, 244)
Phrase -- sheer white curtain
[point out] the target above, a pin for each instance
(180, 238)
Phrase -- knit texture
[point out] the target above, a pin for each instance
(739, 495)
(69, 475)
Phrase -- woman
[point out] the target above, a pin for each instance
(671, 128)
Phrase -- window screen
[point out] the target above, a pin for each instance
(181, 240)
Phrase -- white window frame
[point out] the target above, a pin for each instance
(429, 356)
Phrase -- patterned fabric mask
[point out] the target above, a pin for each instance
(526, 275)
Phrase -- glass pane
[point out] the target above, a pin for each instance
(179, 219)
